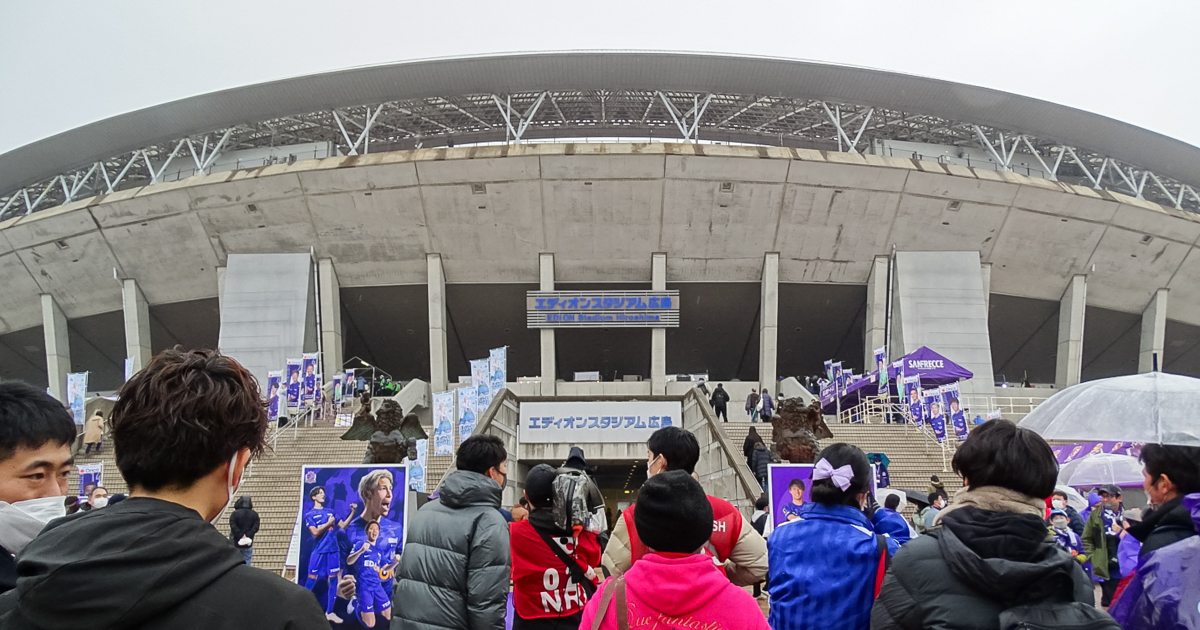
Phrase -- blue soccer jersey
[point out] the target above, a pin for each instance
(791, 509)
(326, 542)
(388, 542)
(372, 594)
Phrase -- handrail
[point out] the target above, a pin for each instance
(880, 408)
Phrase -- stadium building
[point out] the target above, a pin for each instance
(409, 217)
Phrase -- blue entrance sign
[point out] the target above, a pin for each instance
(602, 309)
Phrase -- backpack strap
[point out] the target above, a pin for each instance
(605, 600)
(573, 567)
(885, 563)
(622, 606)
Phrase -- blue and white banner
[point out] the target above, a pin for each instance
(839, 379)
(91, 476)
(481, 380)
(416, 470)
(881, 366)
(953, 407)
(591, 421)
(912, 395)
(498, 370)
(293, 384)
(338, 389)
(308, 383)
(466, 412)
(443, 431)
(273, 394)
(77, 394)
(937, 418)
(829, 370)
(128, 368)
(349, 384)
(319, 390)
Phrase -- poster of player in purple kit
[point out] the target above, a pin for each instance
(352, 521)
(308, 384)
(912, 394)
(293, 384)
(953, 406)
(273, 383)
(789, 489)
(937, 418)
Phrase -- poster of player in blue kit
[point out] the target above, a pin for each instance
(789, 490)
(937, 418)
(273, 385)
(308, 384)
(912, 394)
(352, 521)
(953, 406)
(293, 384)
(839, 378)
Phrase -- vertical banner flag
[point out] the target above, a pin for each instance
(338, 388)
(466, 412)
(416, 470)
(308, 382)
(318, 394)
(829, 370)
(90, 476)
(881, 365)
(128, 368)
(443, 411)
(937, 419)
(953, 406)
(350, 384)
(293, 384)
(839, 378)
(77, 394)
(273, 386)
(912, 394)
(480, 370)
(498, 364)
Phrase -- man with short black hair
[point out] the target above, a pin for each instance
(720, 402)
(936, 503)
(1171, 473)
(1100, 540)
(183, 431)
(36, 435)
(741, 551)
(454, 571)
(887, 520)
(1058, 501)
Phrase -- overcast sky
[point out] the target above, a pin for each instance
(67, 63)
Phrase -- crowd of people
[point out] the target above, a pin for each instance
(1007, 551)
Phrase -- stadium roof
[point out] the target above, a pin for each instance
(698, 97)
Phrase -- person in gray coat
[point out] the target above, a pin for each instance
(454, 571)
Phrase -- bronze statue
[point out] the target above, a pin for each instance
(391, 433)
(795, 429)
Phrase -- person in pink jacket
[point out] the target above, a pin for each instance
(672, 586)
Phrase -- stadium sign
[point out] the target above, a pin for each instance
(595, 421)
(602, 309)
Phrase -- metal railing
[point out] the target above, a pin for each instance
(879, 409)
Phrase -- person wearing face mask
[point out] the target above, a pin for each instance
(1067, 540)
(826, 565)
(1171, 473)
(1101, 535)
(98, 498)
(454, 571)
(735, 547)
(183, 431)
(36, 435)
(1058, 501)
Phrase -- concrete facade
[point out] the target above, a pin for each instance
(1154, 331)
(877, 292)
(1070, 332)
(768, 331)
(58, 348)
(331, 319)
(658, 336)
(137, 324)
(549, 358)
(439, 368)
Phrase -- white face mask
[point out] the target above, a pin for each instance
(22, 521)
(99, 502)
(1057, 503)
(1059, 523)
(229, 488)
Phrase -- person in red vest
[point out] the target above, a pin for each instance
(734, 546)
(553, 570)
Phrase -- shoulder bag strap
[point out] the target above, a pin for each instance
(604, 601)
(589, 587)
(622, 607)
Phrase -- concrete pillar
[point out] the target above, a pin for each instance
(137, 324)
(220, 288)
(549, 358)
(1154, 332)
(331, 318)
(1070, 333)
(876, 325)
(768, 332)
(985, 269)
(658, 336)
(439, 366)
(58, 348)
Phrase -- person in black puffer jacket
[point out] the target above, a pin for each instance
(243, 524)
(454, 571)
(762, 462)
(988, 563)
(1172, 472)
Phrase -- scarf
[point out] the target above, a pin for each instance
(996, 499)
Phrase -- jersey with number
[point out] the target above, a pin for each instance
(542, 584)
(326, 542)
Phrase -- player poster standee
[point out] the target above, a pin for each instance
(466, 412)
(308, 381)
(443, 431)
(352, 521)
(293, 385)
(90, 476)
(274, 382)
(789, 488)
(77, 395)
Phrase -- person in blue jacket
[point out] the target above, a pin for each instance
(825, 565)
(889, 522)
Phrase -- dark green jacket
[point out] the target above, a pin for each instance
(1095, 543)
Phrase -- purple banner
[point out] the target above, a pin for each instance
(1070, 452)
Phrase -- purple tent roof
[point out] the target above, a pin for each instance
(934, 369)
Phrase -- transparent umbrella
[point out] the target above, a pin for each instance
(1101, 469)
(1074, 499)
(1152, 408)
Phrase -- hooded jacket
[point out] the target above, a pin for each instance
(761, 458)
(147, 564)
(678, 591)
(1170, 523)
(454, 571)
(975, 564)
(1164, 593)
(243, 521)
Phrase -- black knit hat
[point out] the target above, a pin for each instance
(539, 486)
(673, 513)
